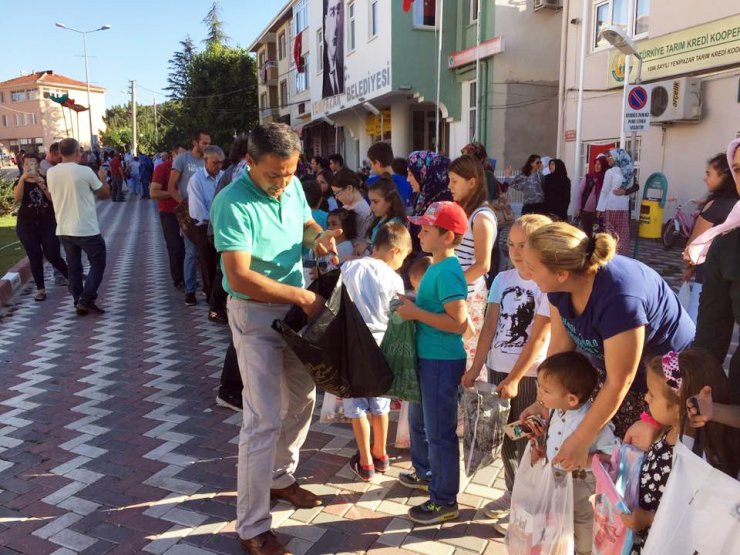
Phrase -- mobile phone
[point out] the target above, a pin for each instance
(701, 406)
(32, 168)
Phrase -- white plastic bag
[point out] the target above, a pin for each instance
(332, 410)
(699, 511)
(684, 295)
(403, 436)
(541, 517)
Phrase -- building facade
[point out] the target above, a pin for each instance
(360, 71)
(31, 121)
(690, 70)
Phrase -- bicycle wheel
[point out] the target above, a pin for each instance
(670, 234)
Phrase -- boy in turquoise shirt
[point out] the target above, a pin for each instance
(441, 318)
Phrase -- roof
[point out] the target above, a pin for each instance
(48, 77)
(283, 14)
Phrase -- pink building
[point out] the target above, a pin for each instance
(30, 121)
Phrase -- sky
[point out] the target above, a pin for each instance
(143, 36)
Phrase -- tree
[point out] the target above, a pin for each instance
(149, 138)
(216, 35)
(177, 78)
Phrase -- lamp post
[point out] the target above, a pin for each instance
(87, 77)
(619, 39)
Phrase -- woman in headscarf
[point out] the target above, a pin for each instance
(478, 151)
(614, 204)
(556, 186)
(589, 190)
(546, 166)
(427, 174)
(529, 180)
(719, 304)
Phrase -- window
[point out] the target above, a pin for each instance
(5, 121)
(32, 94)
(17, 120)
(283, 94)
(263, 101)
(17, 96)
(300, 17)
(320, 50)
(301, 79)
(425, 13)
(473, 111)
(473, 11)
(262, 60)
(281, 46)
(614, 12)
(351, 27)
(373, 18)
(2, 97)
(32, 119)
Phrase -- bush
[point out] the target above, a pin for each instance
(7, 202)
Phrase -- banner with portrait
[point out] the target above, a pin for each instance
(333, 83)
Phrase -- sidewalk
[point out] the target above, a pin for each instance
(110, 440)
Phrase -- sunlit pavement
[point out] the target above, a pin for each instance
(110, 440)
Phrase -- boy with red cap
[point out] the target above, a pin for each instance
(441, 318)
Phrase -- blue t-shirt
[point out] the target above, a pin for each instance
(627, 294)
(320, 217)
(402, 184)
(442, 283)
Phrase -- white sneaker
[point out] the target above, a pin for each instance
(498, 508)
(502, 525)
(224, 403)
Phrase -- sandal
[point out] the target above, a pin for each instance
(40, 295)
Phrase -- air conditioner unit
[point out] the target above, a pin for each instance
(676, 100)
(551, 4)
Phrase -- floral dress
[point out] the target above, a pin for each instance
(654, 473)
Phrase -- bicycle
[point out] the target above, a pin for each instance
(681, 224)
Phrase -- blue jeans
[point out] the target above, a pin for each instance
(435, 451)
(94, 248)
(189, 269)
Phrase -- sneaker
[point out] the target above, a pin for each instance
(431, 513)
(502, 525)
(499, 508)
(190, 299)
(364, 473)
(179, 285)
(40, 295)
(218, 317)
(221, 402)
(89, 306)
(382, 465)
(413, 480)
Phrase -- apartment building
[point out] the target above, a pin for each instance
(30, 120)
(691, 71)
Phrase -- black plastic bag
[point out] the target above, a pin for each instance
(336, 346)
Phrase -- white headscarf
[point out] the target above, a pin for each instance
(545, 165)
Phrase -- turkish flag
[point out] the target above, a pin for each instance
(300, 64)
(407, 5)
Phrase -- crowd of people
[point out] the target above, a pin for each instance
(593, 342)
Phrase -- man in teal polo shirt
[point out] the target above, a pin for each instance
(260, 222)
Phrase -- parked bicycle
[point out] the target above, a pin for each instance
(682, 223)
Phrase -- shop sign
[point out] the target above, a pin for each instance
(484, 50)
(696, 49)
(570, 135)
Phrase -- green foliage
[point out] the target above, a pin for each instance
(118, 126)
(216, 35)
(178, 76)
(7, 202)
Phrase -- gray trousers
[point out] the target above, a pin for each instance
(512, 451)
(278, 400)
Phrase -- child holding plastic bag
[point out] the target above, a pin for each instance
(566, 382)
(372, 283)
(512, 343)
(672, 380)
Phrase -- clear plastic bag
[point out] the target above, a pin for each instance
(332, 410)
(485, 415)
(403, 435)
(541, 517)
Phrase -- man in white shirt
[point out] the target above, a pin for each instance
(74, 189)
(200, 190)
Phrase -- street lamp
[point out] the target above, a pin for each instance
(87, 77)
(619, 39)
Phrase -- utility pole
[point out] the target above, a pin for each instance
(156, 124)
(134, 146)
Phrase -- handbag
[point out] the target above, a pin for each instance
(399, 348)
(502, 209)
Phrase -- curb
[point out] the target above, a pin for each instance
(13, 280)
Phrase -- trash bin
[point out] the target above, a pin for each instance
(651, 219)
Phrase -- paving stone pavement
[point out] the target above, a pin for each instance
(110, 440)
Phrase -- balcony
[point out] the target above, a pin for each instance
(269, 115)
(269, 74)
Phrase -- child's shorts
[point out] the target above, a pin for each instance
(356, 408)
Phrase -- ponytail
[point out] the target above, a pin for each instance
(560, 246)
